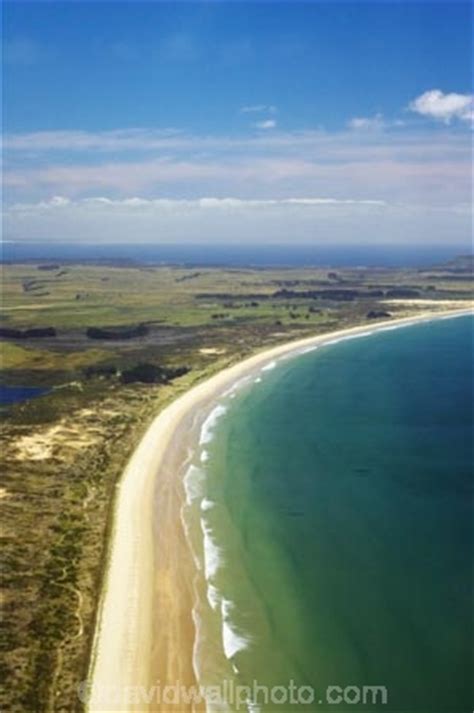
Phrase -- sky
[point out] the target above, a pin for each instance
(320, 122)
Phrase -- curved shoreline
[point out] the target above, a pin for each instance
(146, 602)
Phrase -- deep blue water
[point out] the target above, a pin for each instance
(239, 255)
(339, 501)
(14, 394)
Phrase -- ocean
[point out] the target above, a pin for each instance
(237, 255)
(332, 497)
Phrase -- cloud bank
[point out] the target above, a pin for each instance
(213, 219)
(397, 166)
(376, 179)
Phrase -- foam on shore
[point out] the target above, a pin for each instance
(210, 423)
(233, 641)
(207, 504)
(193, 484)
(213, 558)
(235, 386)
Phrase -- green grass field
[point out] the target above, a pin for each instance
(84, 296)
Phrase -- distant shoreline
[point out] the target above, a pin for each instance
(232, 256)
(144, 627)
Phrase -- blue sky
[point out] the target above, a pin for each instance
(327, 121)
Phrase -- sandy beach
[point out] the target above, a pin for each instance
(145, 632)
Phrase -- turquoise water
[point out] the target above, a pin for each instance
(338, 515)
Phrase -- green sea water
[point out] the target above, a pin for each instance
(337, 518)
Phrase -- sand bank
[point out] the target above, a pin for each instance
(145, 634)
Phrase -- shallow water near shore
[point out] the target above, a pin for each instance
(332, 498)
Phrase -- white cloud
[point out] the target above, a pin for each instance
(365, 122)
(332, 201)
(116, 140)
(165, 220)
(444, 107)
(155, 141)
(58, 201)
(430, 167)
(374, 123)
(196, 203)
(266, 124)
(259, 108)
